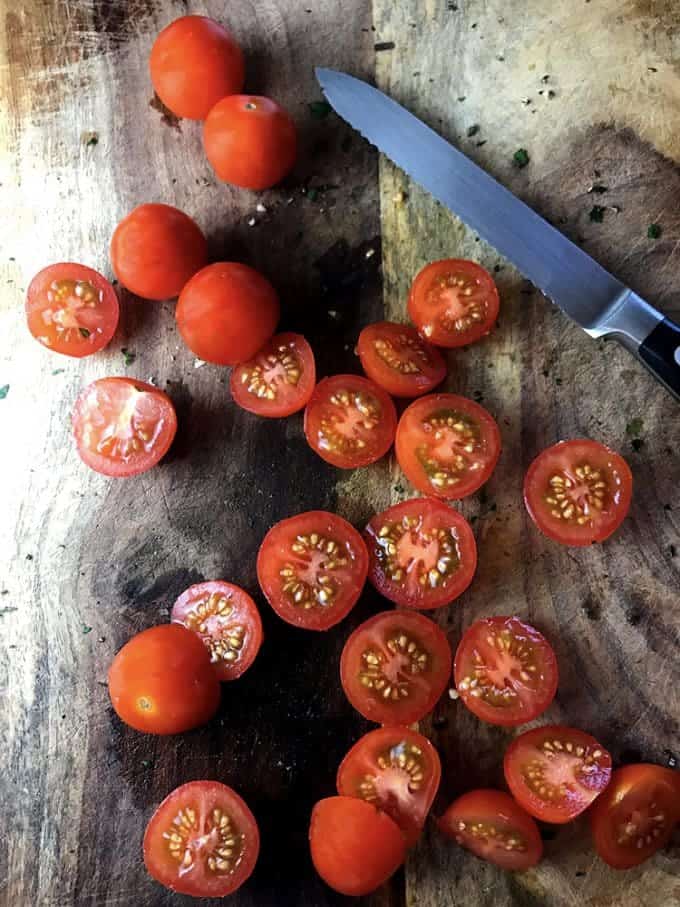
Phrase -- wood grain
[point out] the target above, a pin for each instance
(613, 610)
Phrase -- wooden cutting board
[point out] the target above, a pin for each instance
(88, 561)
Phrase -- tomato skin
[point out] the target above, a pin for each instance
(524, 647)
(627, 802)
(156, 249)
(403, 786)
(417, 433)
(162, 682)
(194, 62)
(198, 880)
(286, 544)
(496, 811)
(326, 414)
(560, 462)
(432, 516)
(108, 397)
(529, 748)
(227, 312)
(226, 619)
(84, 325)
(291, 388)
(429, 310)
(386, 348)
(355, 847)
(250, 141)
(423, 673)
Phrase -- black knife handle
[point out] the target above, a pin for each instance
(660, 351)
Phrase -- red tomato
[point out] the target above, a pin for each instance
(491, 825)
(250, 141)
(349, 421)
(71, 309)
(194, 63)
(227, 312)
(505, 671)
(453, 302)
(396, 770)
(395, 666)
(226, 618)
(398, 359)
(202, 840)
(278, 380)
(123, 426)
(447, 445)
(636, 814)
(578, 492)
(156, 249)
(312, 568)
(162, 682)
(422, 553)
(355, 847)
(556, 772)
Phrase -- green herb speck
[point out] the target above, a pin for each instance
(320, 109)
(654, 231)
(58, 371)
(84, 332)
(634, 427)
(558, 381)
(598, 188)
(146, 763)
(128, 356)
(472, 130)
(86, 630)
(7, 610)
(312, 194)
(672, 550)
(637, 444)
(596, 214)
(521, 158)
(4, 390)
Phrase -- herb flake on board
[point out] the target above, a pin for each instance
(654, 231)
(4, 390)
(319, 109)
(521, 158)
(596, 214)
(84, 332)
(634, 427)
(472, 130)
(128, 356)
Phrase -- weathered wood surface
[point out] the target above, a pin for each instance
(613, 611)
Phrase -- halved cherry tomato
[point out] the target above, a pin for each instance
(350, 421)
(578, 492)
(397, 358)
(505, 671)
(202, 840)
(250, 141)
(194, 63)
(123, 426)
(395, 666)
(278, 380)
(422, 554)
(71, 309)
(491, 825)
(556, 772)
(312, 568)
(226, 618)
(397, 770)
(453, 302)
(162, 682)
(156, 249)
(355, 847)
(227, 312)
(447, 445)
(636, 814)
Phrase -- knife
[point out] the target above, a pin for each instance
(583, 289)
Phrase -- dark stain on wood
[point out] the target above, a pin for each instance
(168, 118)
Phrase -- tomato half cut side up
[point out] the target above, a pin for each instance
(397, 770)
(203, 840)
(123, 426)
(556, 772)
(278, 380)
(395, 666)
(505, 671)
(453, 302)
(447, 445)
(312, 569)
(636, 814)
(578, 492)
(350, 421)
(422, 553)
(397, 358)
(491, 825)
(355, 847)
(71, 309)
(226, 619)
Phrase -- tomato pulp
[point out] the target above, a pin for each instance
(447, 445)
(422, 553)
(397, 358)
(312, 568)
(395, 666)
(278, 380)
